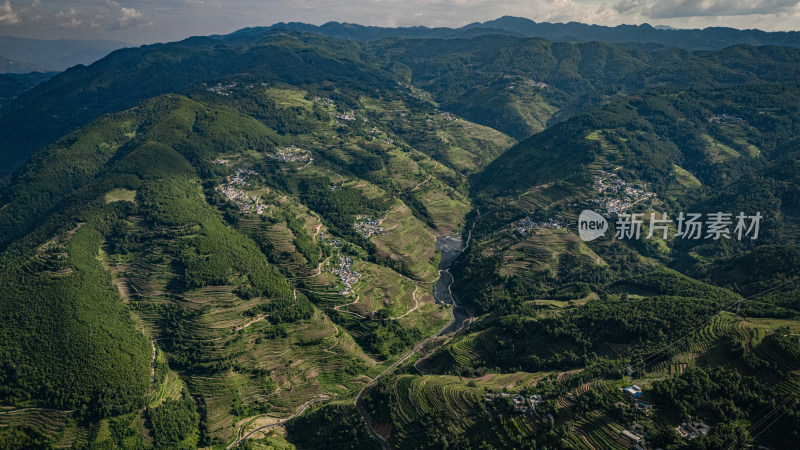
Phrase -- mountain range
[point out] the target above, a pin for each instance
(712, 38)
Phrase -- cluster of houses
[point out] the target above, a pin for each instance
(692, 430)
(292, 154)
(687, 430)
(414, 92)
(535, 84)
(368, 227)
(224, 89)
(530, 83)
(520, 403)
(323, 237)
(447, 115)
(346, 116)
(239, 177)
(375, 130)
(346, 274)
(247, 203)
(323, 101)
(527, 225)
(725, 118)
(618, 195)
(254, 85)
(221, 89)
(389, 141)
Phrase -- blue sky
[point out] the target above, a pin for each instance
(147, 21)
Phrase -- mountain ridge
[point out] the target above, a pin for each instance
(710, 38)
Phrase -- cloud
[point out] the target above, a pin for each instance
(669, 9)
(7, 15)
(124, 17)
(69, 18)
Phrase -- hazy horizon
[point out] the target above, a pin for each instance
(142, 21)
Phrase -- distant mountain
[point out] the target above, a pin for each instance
(706, 39)
(53, 55)
(11, 66)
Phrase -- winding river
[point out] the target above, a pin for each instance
(451, 247)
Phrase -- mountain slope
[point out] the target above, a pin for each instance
(531, 82)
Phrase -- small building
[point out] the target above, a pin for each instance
(519, 402)
(535, 399)
(633, 390)
(640, 405)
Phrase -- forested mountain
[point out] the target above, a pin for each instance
(515, 85)
(283, 239)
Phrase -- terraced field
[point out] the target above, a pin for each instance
(407, 239)
(49, 422)
(602, 433)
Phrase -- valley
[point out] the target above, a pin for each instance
(287, 240)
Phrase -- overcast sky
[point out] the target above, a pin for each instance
(147, 21)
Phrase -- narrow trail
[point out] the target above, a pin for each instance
(421, 183)
(338, 308)
(258, 318)
(416, 304)
(153, 365)
(296, 413)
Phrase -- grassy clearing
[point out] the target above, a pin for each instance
(717, 151)
(287, 98)
(407, 239)
(446, 208)
(381, 288)
(120, 195)
(685, 178)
